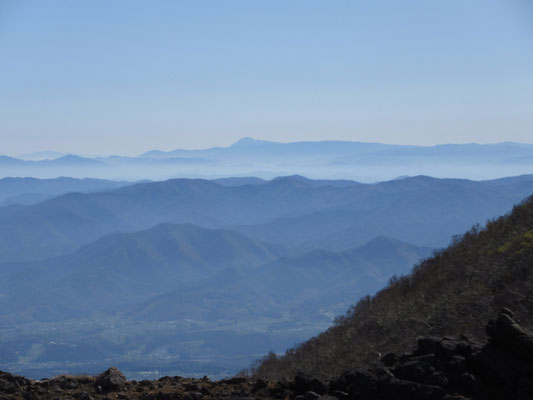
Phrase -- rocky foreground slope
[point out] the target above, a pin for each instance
(438, 368)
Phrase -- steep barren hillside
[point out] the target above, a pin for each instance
(453, 293)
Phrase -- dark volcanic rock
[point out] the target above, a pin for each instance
(112, 379)
(258, 385)
(457, 366)
(451, 368)
(234, 381)
(304, 384)
(507, 333)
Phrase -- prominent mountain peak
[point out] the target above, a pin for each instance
(70, 157)
(297, 178)
(248, 141)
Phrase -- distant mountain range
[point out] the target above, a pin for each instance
(42, 155)
(211, 273)
(365, 162)
(118, 270)
(293, 212)
(31, 190)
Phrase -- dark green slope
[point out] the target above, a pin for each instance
(455, 292)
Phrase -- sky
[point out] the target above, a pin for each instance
(123, 77)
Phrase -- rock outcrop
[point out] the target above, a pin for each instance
(448, 368)
(110, 380)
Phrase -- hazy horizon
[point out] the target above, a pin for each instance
(171, 148)
(129, 76)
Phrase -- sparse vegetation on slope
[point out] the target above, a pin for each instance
(453, 293)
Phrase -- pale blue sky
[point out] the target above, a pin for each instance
(123, 77)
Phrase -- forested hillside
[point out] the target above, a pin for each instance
(453, 293)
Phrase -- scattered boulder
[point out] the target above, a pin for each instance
(303, 384)
(311, 396)
(110, 380)
(258, 385)
(506, 332)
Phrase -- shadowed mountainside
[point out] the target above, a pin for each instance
(291, 211)
(123, 268)
(31, 190)
(316, 283)
(166, 297)
(170, 271)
